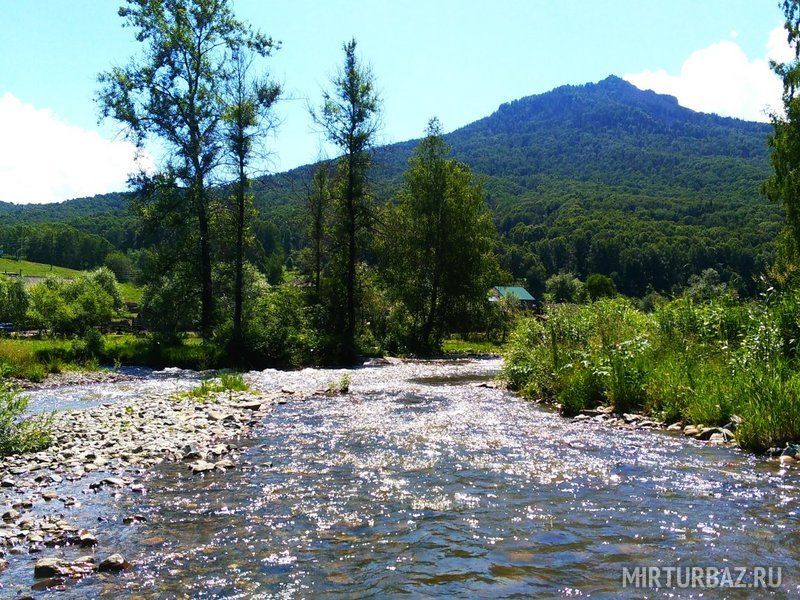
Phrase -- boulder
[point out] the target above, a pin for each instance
(113, 563)
(707, 432)
(201, 466)
(49, 567)
(86, 538)
(10, 515)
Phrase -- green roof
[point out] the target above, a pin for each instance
(519, 292)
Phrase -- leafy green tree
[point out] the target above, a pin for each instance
(440, 239)
(121, 265)
(48, 308)
(170, 305)
(319, 201)
(784, 184)
(13, 300)
(65, 306)
(706, 286)
(600, 286)
(174, 91)
(565, 287)
(250, 100)
(349, 117)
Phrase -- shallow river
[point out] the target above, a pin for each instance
(420, 483)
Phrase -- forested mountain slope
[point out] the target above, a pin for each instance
(601, 177)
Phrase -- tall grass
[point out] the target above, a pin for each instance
(695, 362)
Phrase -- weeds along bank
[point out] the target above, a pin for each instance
(696, 362)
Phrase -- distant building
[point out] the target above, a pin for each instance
(526, 300)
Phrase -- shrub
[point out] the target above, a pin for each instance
(66, 306)
(170, 306)
(600, 286)
(565, 287)
(19, 434)
(90, 347)
(13, 300)
(121, 265)
(770, 409)
(281, 329)
(623, 372)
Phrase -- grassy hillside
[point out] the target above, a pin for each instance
(130, 293)
(34, 269)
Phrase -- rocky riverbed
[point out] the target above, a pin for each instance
(115, 445)
(72, 378)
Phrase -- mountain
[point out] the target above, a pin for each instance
(601, 177)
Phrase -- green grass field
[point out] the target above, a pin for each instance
(32, 269)
(130, 293)
(463, 347)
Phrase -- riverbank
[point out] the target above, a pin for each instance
(34, 359)
(113, 447)
(32, 362)
(717, 368)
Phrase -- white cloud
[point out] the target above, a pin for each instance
(44, 159)
(722, 79)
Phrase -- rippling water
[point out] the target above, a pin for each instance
(420, 483)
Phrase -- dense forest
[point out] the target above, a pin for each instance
(599, 178)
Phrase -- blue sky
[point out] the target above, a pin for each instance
(457, 59)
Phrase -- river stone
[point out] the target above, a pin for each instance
(7, 483)
(254, 405)
(675, 427)
(10, 515)
(87, 538)
(219, 450)
(113, 481)
(48, 567)
(216, 415)
(115, 562)
(791, 450)
(133, 519)
(3, 565)
(201, 466)
(49, 495)
(707, 432)
(787, 460)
